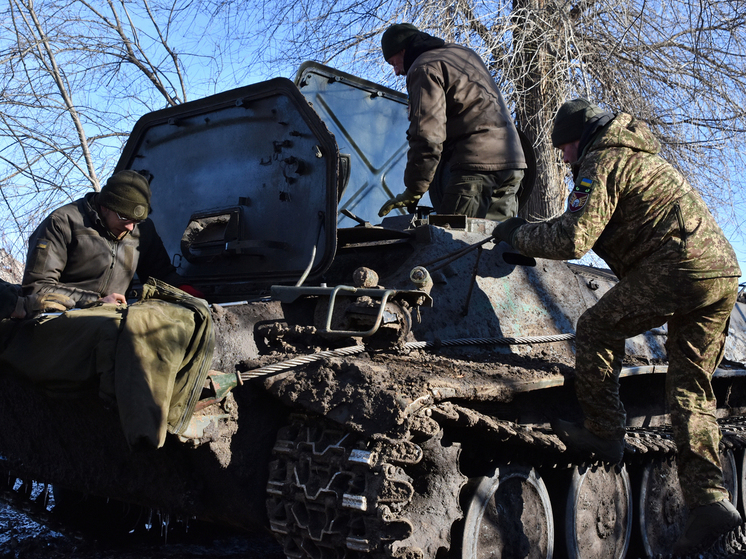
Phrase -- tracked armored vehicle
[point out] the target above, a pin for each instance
(385, 388)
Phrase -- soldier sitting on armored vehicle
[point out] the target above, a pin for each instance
(90, 249)
(457, 118)
(150, 358)
(674, 265)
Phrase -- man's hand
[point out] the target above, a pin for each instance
(37, 303)
(113, 298)
(506, 229)
(405, 199)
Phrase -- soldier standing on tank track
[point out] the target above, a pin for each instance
(458, 118)
(674, 265)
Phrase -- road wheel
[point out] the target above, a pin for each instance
(509, 516)
(598, 519)
(662, 509)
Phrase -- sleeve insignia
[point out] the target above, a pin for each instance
(579, 195)
(41, 245)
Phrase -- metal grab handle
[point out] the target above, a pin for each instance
(330, 312)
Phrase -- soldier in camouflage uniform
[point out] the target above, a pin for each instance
(674, 265)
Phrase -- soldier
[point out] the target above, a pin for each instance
(90, 249)
(457, 116)
(149, 359)
(674, 265)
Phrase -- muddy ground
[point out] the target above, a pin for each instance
(22, 538)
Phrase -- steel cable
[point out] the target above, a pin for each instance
(353, 350)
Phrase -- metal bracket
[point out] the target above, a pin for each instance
(353, 290)
(287, 294)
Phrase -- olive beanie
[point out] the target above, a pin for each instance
(128, 194)
(571, 119)
(396, 38)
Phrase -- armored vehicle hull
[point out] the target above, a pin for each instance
(392, 384)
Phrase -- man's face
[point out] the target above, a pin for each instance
(118, 226)
(397, 61)
(570, 151)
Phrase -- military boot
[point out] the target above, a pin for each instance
(581, 440)
(706, 524)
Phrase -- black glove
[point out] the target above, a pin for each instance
(506, 229)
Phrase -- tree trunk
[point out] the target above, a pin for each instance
(538, 96)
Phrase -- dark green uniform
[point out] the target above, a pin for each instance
(458, 116)
(151, 358)
(72, 253)
(674, 265)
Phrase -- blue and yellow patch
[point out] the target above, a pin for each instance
(41, 245)
(579, 195)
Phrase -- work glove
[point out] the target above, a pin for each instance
(405, 199)
(506, 229)
(38, 303)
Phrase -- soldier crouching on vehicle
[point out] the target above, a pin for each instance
(674, 265)
(150, 358)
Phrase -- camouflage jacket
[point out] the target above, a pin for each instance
(456, 111)
(632, 208)
(73, 254)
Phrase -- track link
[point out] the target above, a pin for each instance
(332, 493)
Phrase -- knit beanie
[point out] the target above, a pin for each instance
(396, 38)
(571, 119)
(128, 194)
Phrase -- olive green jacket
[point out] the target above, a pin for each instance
(632, 208)
(73, 253)
(456, 111)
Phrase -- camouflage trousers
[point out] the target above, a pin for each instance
(150, 358)
(697, 313)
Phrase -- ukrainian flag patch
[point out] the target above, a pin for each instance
(41, 245)
(580, 194)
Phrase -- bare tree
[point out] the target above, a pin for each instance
(76, 74)
(677, 64)
(74, 77)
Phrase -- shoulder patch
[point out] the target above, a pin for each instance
(41, 244)
(580, 194)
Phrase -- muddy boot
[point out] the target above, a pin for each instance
(581, 440)
(706, 524)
